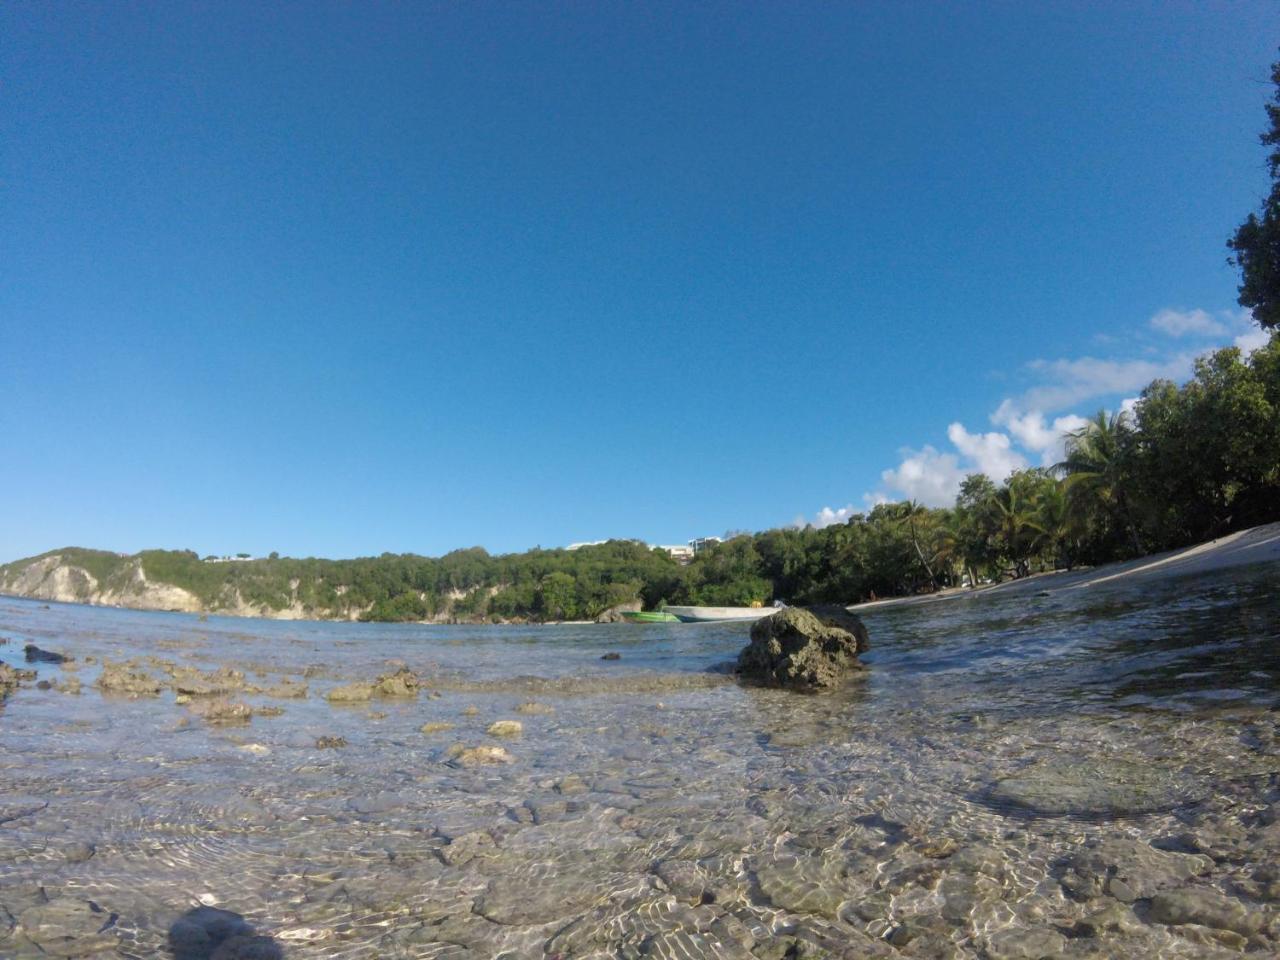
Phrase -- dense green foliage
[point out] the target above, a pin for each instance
(1255, 245)
(1189, 463)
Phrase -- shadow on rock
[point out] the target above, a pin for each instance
(206, 933)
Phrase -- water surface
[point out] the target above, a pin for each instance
(946, 805)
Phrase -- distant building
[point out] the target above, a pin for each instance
(238, 558)
(699, 544)
(680, 553)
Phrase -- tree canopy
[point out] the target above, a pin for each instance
(1255, 245)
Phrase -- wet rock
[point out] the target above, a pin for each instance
(286, 690)
(71, 685)
(1210, 937)
(794, 649)
(222, 711)
(615, 613)
(612, 656)
(1037, 943)
(119, 679)
(533, 708)
(1128, 870)
(403, 683)
(505, 728)
(350, 693)
(17, 807)
(804, 884)
(190, 682)
(962, 894)
(938, 849)
(436, 726)
(377, 803)
(478, 756)
(471, 711)
(1112, 918)
(467, 847)
(66, 927)
(570, 785)
(44, 685)
(834, 615)
(207, 933)
(330, 743)
(268, 711)
(1206, 908)
(35, 655)
(1095, 789)
(78, 852)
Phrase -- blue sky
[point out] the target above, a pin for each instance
(344, 279)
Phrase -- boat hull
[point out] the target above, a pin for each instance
(719, 614)
(648, 616)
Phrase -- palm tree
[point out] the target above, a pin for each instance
(1054, 520)
(1015, 514)
(1094, 467)
(911, 510)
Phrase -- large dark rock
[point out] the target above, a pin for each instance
(36, 655)
(615, 613)
(802, 650)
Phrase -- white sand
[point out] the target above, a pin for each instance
(1255, 545)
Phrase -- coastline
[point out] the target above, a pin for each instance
(1254, 545)
(1259, 544)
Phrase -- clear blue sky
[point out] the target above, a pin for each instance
(344, 279)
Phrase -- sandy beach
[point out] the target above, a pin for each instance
(1255, 545)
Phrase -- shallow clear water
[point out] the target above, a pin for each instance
(946, 805)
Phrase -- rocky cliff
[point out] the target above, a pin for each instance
(120, 581)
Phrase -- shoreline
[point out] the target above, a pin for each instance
(1253, 545)
(1244, 547)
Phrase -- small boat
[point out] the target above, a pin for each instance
(710, 614)
(649, 616)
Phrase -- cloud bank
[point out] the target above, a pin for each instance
(1033, 424)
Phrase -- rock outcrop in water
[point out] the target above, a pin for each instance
(614, 613)
(801, 649)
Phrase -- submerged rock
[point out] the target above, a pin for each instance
(330, 743)
(207, 933)
(477, 756)
(403, 683)
(117, 678)
(1206, 908)
(1128, 870)
(533, 708)
(350, 693)
(190, 682)
(11, 679)
(1096, 789)
(66, 927)
(796, 649)
(222, 711)
(505, 728)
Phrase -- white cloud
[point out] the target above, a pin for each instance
(1252, 340)
(1035, 433)
(989, 453)
(933, 476)
(826, 516)
(1071, 382)
(1182, 323)
(926, 475)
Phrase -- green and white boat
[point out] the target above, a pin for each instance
(649, 616)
